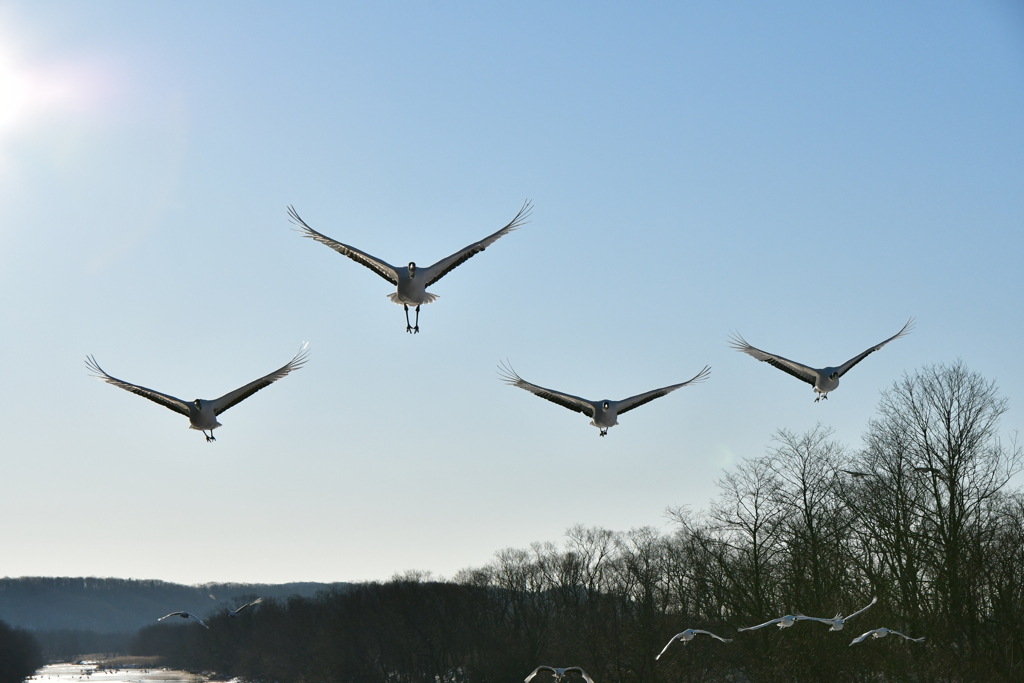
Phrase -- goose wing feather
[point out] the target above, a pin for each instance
(580, 405)
(632, 402)
(446, 265)
(238, 395)
(848, 365)
(167, 401)
(379, 266)
(798, 370)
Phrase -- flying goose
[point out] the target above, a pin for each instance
(558, 674)
(412, 282)
(202, 413)
(782, 622)
(838, 621)
(183, 615)
(602, 414)
(823, 380)
(687, 635)
(234, 612)
(882, 633)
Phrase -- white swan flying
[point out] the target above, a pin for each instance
(687, 635)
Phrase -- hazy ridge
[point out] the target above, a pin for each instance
(105, 605)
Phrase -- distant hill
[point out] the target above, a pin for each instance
(124, 605)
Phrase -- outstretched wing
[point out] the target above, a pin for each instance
(845, 367)
(861, 637)
(382, 268)
(916, 640)
(873, 601)
(175, 404)
(801, 372)
(249, 604)
(173, 614)
(238, 395)
(672, 640)
(636, 401)
(445, 265)
(724, 640)
(583, 673)
(580, 405)
(801, 617)
(754, 628)
(220, 601)
(536, 671)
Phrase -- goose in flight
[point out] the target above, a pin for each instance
(183, 615)
(782, 622)
(687, 635)
(412, 282)
(202, 413)
(823, 380)
(558, 674)
(602, 414)
(838, 621)
(234, 612)
(882, 633)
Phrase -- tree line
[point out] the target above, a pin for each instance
(920, 516)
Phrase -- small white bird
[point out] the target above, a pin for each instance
(882, 633)
(687, 635)
(838, 621)
(183, 615)
(412, 282)
(202, 413)
(234, 612)
(782, 622)
(558, 674)
(823, 380)
(603, 414)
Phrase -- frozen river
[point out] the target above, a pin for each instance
(89, 672)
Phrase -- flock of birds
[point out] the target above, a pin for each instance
(836, 623)
(411, 285)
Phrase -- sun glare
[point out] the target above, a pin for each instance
(31, 93)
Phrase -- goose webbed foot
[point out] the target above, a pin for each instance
(604, 432)
(416, 328)
(408, 327)
(209, 437)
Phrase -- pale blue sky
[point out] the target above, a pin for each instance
(808, 174)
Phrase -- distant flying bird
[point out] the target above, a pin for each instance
(183, 615)
(202, 413)
(823, 380)
(687, 635)
(558, 674)
(838, 621)
(856, 475)
(234, 612)
(782, 622)
(602, 414)
(882, 633)
(412, 282)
